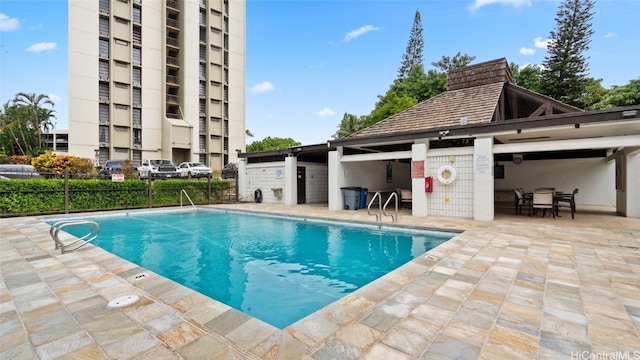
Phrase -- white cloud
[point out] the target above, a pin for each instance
(324, 112)
(55, 98)
(541, 44)
(7, 23)
(262, 87)
(477, 4)
(43, 46)
(37, 27)
(610, 35)
(527, 51)
(361, 31)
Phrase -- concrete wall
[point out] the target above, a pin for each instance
(264, 176)
(594, 177)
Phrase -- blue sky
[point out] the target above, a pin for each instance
(309, 62)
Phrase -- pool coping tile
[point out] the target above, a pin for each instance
(531, 281)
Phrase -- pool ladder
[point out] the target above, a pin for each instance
(183, 191)
(54, 231)
(382, 210)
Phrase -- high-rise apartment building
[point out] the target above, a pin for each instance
(157, 79)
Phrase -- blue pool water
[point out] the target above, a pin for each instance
(276, 269)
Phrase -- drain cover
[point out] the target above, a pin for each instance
(123, 301)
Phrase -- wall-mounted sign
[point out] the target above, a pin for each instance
(279, 174)
(117, 177)
(417, 169)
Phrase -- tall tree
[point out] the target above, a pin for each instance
(624, 95)
(413, 55)
(39, 116)
(272, 143)
(350, 124)
(565, 67)
(458, 61)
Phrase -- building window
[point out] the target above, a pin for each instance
(103, 114)
(121, 63)
(137, 77)
(137, 116)
(137, 15)
(103, 91)
(121, 42)
(137, 35)
(202, 124)
(203, 35)
(202, 158)
(122, 107)
(137, 55)
(203, 107)
(137, 97)
(137, 157)
(120, 85)
(104, 70)
(203, 91)
(104, 48)
(137, 136)
(104, 6)
(103, 134)
(122, 21)
(104, 26)
(203, 18)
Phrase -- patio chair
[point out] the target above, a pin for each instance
(520, 200)
(543, 200)
(568, 201)
(405, 197)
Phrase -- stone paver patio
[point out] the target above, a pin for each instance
(516, 287)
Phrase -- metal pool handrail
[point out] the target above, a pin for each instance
(187, 195)
(382, 210)
(379, 214)
(94, 231)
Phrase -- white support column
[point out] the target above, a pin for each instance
(336, 180)
(483, 185)
(242, 180)
(290, 181)
(631, 185)
(418, 195)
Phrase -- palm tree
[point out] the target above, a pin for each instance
(39, 115)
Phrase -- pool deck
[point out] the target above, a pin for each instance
(515, 287)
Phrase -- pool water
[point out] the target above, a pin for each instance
(273, 268)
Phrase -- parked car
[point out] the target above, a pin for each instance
(229, 171)
(111, 167)
(194, 170)
(158, 168)
(19, 171)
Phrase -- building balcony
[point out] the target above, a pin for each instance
(173, 4)
(174, 61)
(173, 99)
(173, 42)
(171, 79)
(173, 23)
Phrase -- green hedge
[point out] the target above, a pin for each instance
(38, 196)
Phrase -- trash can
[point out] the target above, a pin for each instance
(364, 192)
(351, 197)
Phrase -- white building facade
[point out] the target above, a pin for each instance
(157, 79)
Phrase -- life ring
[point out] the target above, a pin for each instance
(446, 174)
(257, 195)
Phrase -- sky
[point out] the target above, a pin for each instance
(308, 62)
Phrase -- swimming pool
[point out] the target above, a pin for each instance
(276, 269)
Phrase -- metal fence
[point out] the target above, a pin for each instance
(77, 196)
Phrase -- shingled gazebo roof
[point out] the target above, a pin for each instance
(478, 94)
